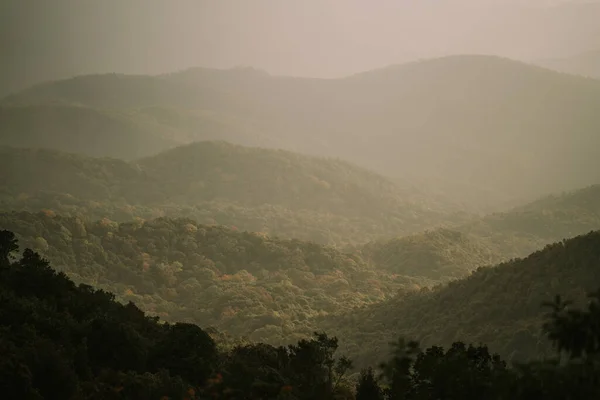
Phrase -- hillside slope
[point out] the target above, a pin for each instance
(242, 283)
(275, 192)
(483, 130)
(120, 133)
(440, 255)
(522, 230)
(499, 306)
(81, 130)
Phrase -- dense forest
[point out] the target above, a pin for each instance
(66, 341)
(481, 130)
(246, 284)
(266, 289)
(499, 305)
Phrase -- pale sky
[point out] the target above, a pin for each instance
(49, 39)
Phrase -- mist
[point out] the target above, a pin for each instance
(326, 38)
(252, 199)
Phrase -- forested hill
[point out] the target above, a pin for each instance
(245, 284)
(454, 252)
(500, 305)
(59, 340)
(522, 230)
(270, 191)
(440, 255)
(479, 129)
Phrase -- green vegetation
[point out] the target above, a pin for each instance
(274, 192)
(265, 247)
(59, 340)
(440, 255)
(485, 131)
(499, 306)
(244, 284)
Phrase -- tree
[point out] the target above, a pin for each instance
(187, 351)
(367, 387)
(8, 245)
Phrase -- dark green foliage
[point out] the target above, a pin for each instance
(8, 245)
(187, 351)
(368, 387)
(65, 341)
(75, 343)
(58, 340)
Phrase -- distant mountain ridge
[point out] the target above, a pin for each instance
(482, 130)
(584, 64)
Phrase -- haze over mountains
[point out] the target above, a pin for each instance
(400, 171)
(584, 64)
(53, 41)
(444, 124)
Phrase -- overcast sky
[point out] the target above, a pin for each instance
(48, 39)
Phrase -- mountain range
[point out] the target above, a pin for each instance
(482, 131)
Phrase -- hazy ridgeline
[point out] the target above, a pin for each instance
(173, 227)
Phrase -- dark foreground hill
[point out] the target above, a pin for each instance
(500, 305)
(482, 130)
(59, 340)
(275, 192)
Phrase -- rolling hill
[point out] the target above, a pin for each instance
(444, 254)
(439, 255)
(242, 283)
(499, 306)
(275, 192)
(522, 230)
(119, 133)
(481, 130)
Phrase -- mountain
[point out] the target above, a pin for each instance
(445, 254)
(83, 130)
(481, 130)
(275, 192)
(584, 64)
(115, 132)
(242, 283)
(499, 306)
